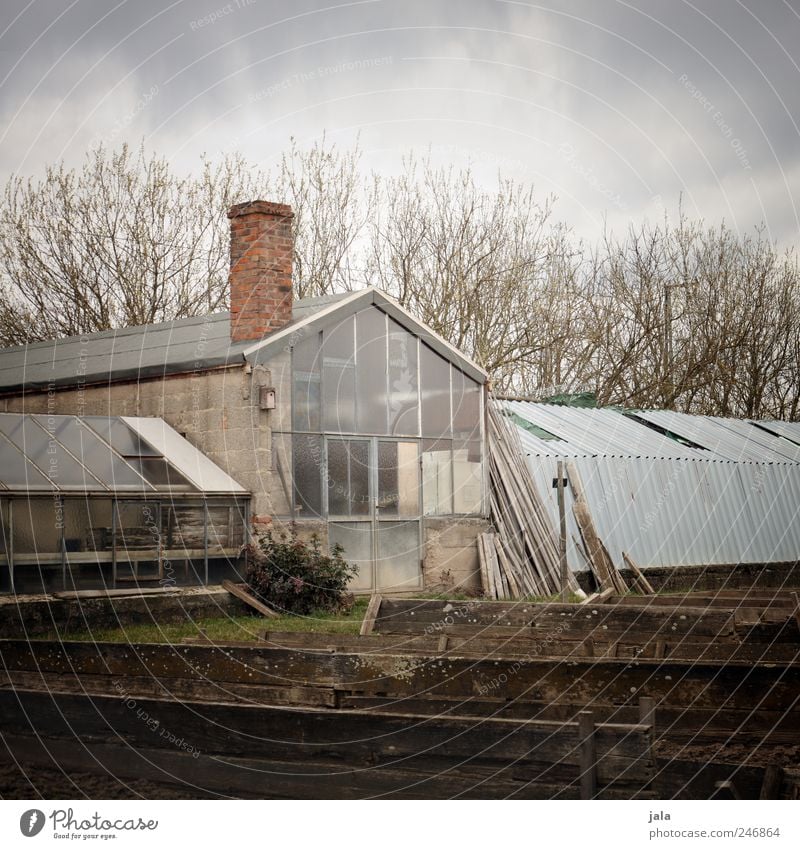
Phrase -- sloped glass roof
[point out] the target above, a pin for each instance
(103, 454)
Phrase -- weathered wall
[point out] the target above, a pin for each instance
(450, 556)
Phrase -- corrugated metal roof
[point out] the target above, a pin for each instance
(594, 433)
(734, 498)
(643, 433)
(729, 439)
(787, 431)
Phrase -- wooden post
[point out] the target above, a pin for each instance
(562, 542)
(647, 711)
(588, 755)
(371, 615)
(771, 786)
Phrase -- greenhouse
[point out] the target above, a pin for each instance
(381, 446)
(112, 501)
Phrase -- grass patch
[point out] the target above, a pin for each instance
(224, 629)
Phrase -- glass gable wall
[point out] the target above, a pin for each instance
(385, 431)
(367, 376)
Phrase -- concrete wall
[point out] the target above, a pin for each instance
(450, 556)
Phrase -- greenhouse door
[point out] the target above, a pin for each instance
(373, 490)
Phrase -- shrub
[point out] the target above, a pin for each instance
(294, 576)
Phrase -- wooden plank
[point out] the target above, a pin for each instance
(647, 711)
(773, 779)
(724, 685)
(485, 586)
(341, 739)
(112, 765)
(599, 598)
(248, 599)
(74, 595)
(645, 585)
(492, 589)
(371, 615)
(417, 615)
(588, 755)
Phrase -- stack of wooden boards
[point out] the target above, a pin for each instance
(522, 558)
(437, 699)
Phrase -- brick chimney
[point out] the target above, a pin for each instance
(261, 269)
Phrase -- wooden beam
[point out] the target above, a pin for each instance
(773, 779)
(248, 599)
(644, 584)
(371, 615)
(588, 755)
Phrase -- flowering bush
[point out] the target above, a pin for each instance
(295, 576)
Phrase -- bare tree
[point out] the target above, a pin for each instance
(680, 316)
(124, 241)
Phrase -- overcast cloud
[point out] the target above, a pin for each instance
(618, 108)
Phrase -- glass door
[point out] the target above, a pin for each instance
(397, 516)
(349, 491)
(373, 501)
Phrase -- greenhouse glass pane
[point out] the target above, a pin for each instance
(41, 448)
(159, 473)
(307, 474)
(437, 477)
(307, 384)
(398, 566)
(101, 461)
(16, 473)
(356, 540)
(398, 479)
(371, 402)
(466, 407)
(121, 437)
(348, 477)
(467, 477)
(403, 382)
(339, 378)
(435, 392)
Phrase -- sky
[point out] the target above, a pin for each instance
(621, 110)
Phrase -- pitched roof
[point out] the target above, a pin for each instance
(188, 344)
